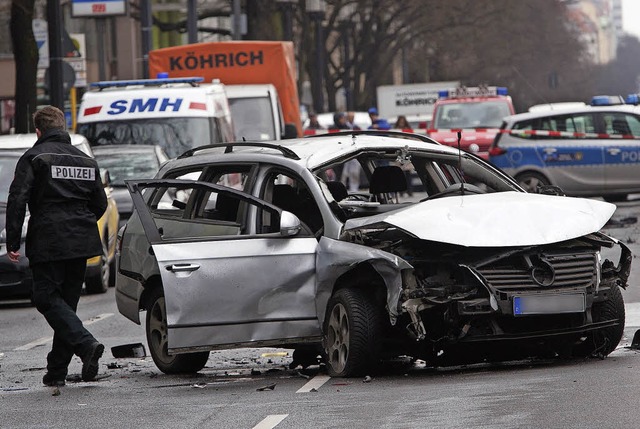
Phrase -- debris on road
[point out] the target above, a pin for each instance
(135, 350)
(367, 379)
(267, 387)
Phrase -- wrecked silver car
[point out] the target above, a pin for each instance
(260, 244)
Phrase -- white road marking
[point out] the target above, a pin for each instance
(45, 340)
(314, 383)
(271, 421)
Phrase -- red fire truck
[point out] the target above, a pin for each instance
(475, 112)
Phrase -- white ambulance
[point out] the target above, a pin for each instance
(176, 114)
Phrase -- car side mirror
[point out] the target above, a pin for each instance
(290, 131)
(289, 224)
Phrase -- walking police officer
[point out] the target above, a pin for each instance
(63, 189)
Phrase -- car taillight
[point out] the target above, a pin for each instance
(496, 151)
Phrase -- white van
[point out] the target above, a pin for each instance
(176, 114)
(257, 113)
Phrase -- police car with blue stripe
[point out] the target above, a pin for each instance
(592, 150)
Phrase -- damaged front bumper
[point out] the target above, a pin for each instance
(512, 294)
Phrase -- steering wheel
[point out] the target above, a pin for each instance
(456, 189)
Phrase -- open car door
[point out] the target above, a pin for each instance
(228, 279)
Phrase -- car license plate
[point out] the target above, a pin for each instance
(548, 304)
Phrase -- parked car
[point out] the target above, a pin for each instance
(128, 162)
(586, 151)
(100, 269)
(15, 278)
(477, 269)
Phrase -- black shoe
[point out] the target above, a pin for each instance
(53, 381)
(90, 362)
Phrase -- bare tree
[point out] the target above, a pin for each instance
(25, 54)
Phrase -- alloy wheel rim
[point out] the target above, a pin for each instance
(338, 338)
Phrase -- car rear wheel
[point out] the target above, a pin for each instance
(531, 180)
(157, 340)
(98, 281)
(604, 341)
(352, 334)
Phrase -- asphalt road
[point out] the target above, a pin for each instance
(255, 388)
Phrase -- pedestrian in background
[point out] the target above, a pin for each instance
(402, 124)
(377, 123)
(351, 116)
(63, 189)
(313, 122)
(340, 122)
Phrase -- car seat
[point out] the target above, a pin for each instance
(620, 126)
(338, 190)
(387, 179)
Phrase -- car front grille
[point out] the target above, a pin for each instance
(570, 270)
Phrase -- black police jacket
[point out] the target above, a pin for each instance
(63, 189)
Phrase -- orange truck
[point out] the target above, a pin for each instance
(236, 63)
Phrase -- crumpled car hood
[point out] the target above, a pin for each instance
(501, 219)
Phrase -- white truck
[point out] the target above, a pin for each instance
(257, 113)
(414, 101)
(176, 114)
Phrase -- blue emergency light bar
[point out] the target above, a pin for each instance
(607, 100)
(632, 99)
(145, 82)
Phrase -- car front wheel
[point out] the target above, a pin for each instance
(352, 334)
(157, 340)
(604, 341)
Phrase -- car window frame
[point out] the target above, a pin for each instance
(141, 199)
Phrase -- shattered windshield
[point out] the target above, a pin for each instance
(409, 176)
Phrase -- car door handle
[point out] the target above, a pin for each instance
(178, 268)
(614, 151)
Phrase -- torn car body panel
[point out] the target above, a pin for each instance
(337, 258)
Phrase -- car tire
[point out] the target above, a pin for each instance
(157, 340)
(530, 180)
(604, 341)
(352, 330)
(99, 282)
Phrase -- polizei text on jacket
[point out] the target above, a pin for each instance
(77, 173)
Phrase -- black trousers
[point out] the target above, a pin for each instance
(56, 291)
